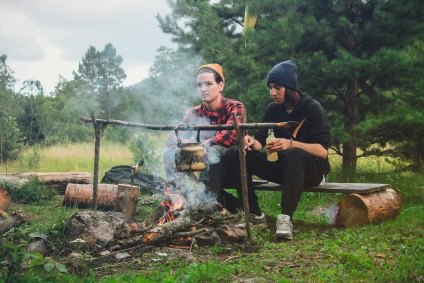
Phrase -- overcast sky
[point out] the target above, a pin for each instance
(47, 38)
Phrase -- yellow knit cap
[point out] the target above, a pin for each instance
(215, 67)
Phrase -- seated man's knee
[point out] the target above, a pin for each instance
(294, 152)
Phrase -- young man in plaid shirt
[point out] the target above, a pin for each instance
(214, 110)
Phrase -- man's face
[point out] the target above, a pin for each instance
(278, 92)
(208, 88)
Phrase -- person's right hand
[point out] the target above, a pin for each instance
(248, 141)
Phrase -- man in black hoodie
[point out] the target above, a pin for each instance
(302, 149)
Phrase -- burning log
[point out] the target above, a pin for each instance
(167, 230)
(165, 211)
(14, 220)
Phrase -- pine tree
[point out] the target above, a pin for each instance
(350, 54)
(103, 76)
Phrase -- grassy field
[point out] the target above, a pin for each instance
(70, 158)
(392, 251)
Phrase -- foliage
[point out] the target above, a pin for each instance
(102, 75)
(350, 54)
(30, 192)
(9, 131)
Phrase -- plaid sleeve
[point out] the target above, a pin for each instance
(227, 138)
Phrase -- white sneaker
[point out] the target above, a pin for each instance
(284, 229)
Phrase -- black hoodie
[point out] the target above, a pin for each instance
(315, 128)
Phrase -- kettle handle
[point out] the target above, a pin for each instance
(198, 136)
(178, 136)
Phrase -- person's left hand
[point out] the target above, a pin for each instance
(279, 144)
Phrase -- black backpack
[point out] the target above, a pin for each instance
(121, 174)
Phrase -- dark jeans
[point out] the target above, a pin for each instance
(294, 169)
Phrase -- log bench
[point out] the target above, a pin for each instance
(362, 204)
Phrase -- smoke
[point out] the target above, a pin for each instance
(196, 195)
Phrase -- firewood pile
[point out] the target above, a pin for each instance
(168, 224)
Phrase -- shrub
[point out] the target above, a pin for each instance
(32, 191)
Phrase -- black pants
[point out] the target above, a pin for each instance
(294, 169)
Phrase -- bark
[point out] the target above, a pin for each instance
(81, 195)
(360, 210)
(244, 126)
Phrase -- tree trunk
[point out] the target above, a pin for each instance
(349, 146)
(360, 210)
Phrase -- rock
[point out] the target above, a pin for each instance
(94, 229)
(209, 238)
(39, 246)
(230, 233)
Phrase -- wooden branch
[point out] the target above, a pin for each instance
(243, 177)
(192, 127)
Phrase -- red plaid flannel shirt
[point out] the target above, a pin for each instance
(199, 115)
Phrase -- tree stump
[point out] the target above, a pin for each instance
(4, 199)
(127, 199)
(360, 210)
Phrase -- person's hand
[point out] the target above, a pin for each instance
(248, 142)
(279, 144)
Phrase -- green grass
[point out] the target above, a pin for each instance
(391, 251)
(70, 158)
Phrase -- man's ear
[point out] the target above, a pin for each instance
(221, 86)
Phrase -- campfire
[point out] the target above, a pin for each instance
(185, 216)
(175, 220)
(171, 206)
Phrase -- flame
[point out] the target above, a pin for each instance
(173, 204)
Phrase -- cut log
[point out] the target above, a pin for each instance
(4, 199)
(60, 180)
(14, 220)
(360, 210)
(127, 199)
(81, 195)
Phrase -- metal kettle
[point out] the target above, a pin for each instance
(189, 157)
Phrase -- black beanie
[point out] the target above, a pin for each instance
(285, 74)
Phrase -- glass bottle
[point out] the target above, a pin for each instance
(271, 155)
